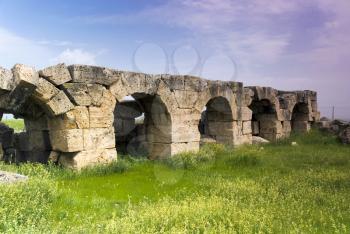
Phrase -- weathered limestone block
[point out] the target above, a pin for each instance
(96, 92)
(59, 104)
(140, 82)
(71, 140)
(94, 75)
(248, 95)
(26, 74)
(78, 93)
(247, 127)
(45, 90)
(287, 127)
(259, 140)
(6, 80)
(174, 82)
(246, 114)
(57, 74)
(84, 94)
(99, 138)
(186, 99)
(195, 84)
(87, 158)
(185, 133)
(77, 118)
(103, 117)
(26, 80)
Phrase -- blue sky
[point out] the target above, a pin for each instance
(285, 44)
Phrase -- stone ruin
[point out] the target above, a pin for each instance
(82, 115)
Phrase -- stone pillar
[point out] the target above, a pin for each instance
(85, 135)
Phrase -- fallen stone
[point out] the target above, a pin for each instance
(57, 75)
(9, 178)
(259, 140)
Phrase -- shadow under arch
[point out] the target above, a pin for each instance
(216, 123)
(300, 118)
(264, 119)
(142, 126)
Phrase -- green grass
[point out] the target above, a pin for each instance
(16, 124)
(275, 188)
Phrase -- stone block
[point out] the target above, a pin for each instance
(45, 90)
(25, 74)
(247, 127)
(78, 93)
(174, 82)
(96, 92)
(77, 118)
(59, 104)
(84, 94)
(100, 117)
(67, 140)
(56, 75)
(246, 114)
(6, 80)
(99, 138)
(26, 80)
(94, 75)
(87, 158)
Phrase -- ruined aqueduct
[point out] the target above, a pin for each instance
(79, 116)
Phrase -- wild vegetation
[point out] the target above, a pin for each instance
(16, 124)
(251, 189)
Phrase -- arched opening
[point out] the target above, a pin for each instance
(142, 126)
(216, 124)
(24, 138)
(300, 118)
(264, 120)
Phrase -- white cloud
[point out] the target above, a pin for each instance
(75, 56)
(18, 49)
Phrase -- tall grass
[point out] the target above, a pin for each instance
(275, 188)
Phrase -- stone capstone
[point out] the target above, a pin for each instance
(57, 75)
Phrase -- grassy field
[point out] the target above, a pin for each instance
(277, 188)
(16, 124)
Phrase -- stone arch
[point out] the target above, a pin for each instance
(150, 138)
(300, 121)
(216, 123)
(264, 119)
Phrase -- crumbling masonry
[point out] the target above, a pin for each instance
(82, 115)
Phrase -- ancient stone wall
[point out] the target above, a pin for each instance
(82, 115)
